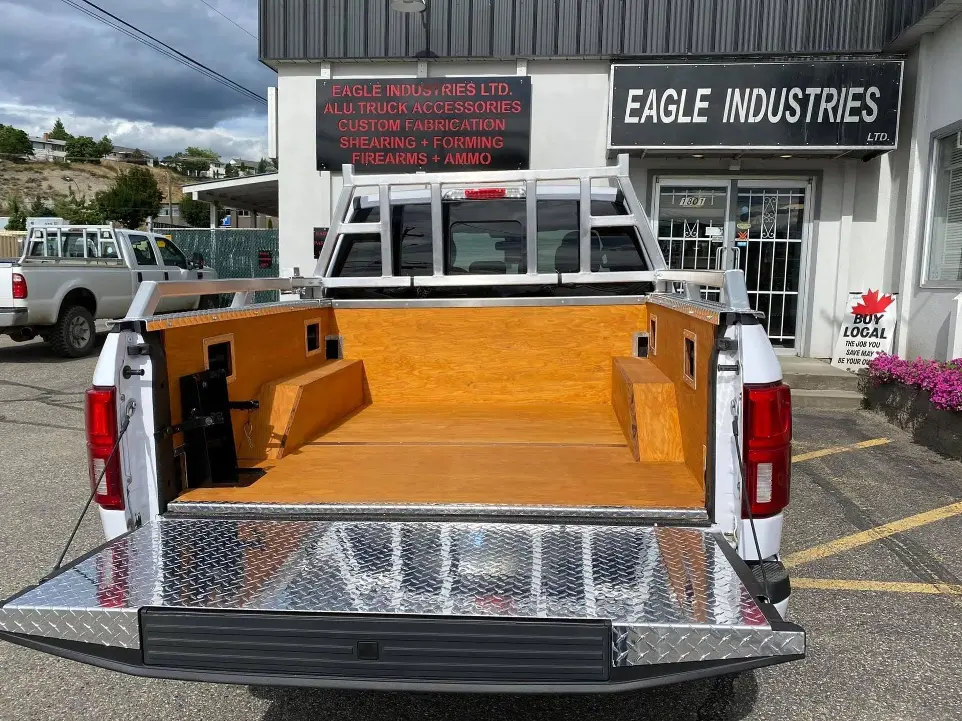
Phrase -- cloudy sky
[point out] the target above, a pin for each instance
(56, 61)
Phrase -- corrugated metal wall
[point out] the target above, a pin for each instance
(905, 13)
(368, 29)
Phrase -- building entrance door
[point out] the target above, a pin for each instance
(765, 222)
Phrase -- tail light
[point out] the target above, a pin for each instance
(768, 447)
(19, 287)
(101, 417)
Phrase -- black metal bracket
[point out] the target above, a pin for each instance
(136, 349)
(129, 372)
(727, 344)
(244, 405)
(192, 424)
(733, 367)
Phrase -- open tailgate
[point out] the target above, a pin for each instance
(456, 605)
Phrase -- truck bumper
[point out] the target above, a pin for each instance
(12, 317)
(415, 605)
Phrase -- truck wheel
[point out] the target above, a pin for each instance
(75, 333)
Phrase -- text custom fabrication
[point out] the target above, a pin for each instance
(755, 105)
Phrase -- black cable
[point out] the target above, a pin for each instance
(746, 501)
(230, 20)
(129, 414)
(165, 49)
(154, 44)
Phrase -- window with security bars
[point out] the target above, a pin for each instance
(945, 236)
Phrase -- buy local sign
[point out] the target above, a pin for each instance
(869, 329)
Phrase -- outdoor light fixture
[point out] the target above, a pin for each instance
(409, 6)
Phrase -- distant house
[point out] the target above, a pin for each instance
(121, 154)
(169, 217)
(46, 148)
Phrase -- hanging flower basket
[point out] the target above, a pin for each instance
(922, 396)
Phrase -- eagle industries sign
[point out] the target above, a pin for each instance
(437, 124)
(779, 106)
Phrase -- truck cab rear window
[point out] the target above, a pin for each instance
(484, 237)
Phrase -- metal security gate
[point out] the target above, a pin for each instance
(764, 222)
(233, 252)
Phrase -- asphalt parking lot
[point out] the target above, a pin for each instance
(873, 541)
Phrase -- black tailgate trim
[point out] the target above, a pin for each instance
(399, 648)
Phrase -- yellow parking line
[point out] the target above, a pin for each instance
(839, 449)
(830, 584)
(846, 543)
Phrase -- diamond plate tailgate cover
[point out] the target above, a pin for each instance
(668, 594)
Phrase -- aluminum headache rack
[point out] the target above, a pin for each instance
(523, 183)
(493, 606)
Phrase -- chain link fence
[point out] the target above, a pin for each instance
(233, 253)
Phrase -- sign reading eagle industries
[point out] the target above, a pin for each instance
(431, 124)
(778, 106)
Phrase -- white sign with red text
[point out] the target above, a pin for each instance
(868, 329)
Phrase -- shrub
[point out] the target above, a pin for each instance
(943, 381)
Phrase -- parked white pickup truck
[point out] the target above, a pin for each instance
(492, 448)
(68, 276)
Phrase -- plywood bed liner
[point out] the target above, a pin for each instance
(557, 455)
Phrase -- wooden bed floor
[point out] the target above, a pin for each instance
(515, 455)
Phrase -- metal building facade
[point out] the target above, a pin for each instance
(369, 30)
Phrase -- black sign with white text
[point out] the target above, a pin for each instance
(432, 124)
(783, 106)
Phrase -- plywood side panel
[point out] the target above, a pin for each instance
(500, 355)
(645, 403)
(266, 347)
(692, 403)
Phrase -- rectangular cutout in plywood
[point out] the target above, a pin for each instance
(313, 337)
(219, 355)
(689, 359)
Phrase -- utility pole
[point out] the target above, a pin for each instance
(170, 205)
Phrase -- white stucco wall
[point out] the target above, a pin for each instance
(569, 104)
(935, 66)
(850, 240)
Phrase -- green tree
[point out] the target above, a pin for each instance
(83, 149)
(78, 211)
(59, 132)
(39, 209)
(18, 220)
(14, 141)
(262, 166)
(196, 213)
(231, 171)
(105, 146)
(193, 161)
(132, 198)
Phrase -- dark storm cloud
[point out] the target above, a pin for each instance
(53, 56)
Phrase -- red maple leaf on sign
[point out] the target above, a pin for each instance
(871, 303)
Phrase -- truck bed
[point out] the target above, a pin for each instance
(522, 455)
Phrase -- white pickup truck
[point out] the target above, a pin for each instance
(69, 276)
(496, 446)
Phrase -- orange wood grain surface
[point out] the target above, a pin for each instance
(499, 355)
(558, 424)
(295, 409)
(644, 401)
(266, 347)
(692, 402)
(504, 474)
